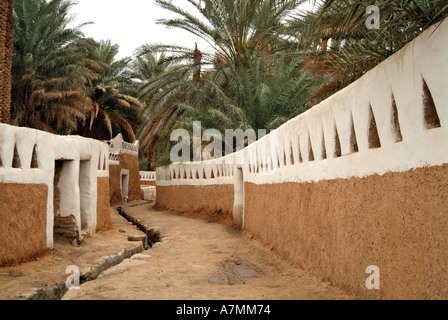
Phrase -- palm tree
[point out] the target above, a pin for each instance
(354, 49)
(168, 84)
(49, 69)
(115, 72)
(111, 112)
(272, 90)
(239, 81)
(139, 71)
(6, 31)
(234, 29)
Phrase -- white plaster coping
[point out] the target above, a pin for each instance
(118, 145)
(196, 182)
(401, 76)
(148, 192)
(114, 158)
(147, 175)
(103, 174)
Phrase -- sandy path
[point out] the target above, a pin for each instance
(201, 260)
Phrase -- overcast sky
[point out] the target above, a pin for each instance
(132, 23)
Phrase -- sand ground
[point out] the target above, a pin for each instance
(197, 259)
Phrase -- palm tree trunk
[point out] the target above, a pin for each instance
(6, 28)
(324, 46)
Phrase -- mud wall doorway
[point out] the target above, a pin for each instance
(238, 198)
(86, 196)
(67, 220)
(124, 184)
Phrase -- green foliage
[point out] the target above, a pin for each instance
(111, 112)
(143, 164)
(268, 63)
(339, 46)
(48, 79)
(63, 82)
(252, 79)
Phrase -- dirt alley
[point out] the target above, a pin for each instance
(197, 260)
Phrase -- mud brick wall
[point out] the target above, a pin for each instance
(206, 201)
(68, 167)
(337, 228)
(23, 219)
(104, 219)
(359, 180)
(130, 162)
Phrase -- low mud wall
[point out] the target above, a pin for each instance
(147, 183)
(211, 201)
(127, 162)
(337, 228)
(354, 190)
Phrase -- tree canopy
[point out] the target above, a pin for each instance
(268, 61)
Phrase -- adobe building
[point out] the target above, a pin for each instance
(50, 186)
(148, 185)
(54, 186)
(124, 172)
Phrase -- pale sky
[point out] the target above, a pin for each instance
(131, 23)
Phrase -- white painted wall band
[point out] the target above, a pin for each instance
(118, 145)
(398, 81)
(147, 175)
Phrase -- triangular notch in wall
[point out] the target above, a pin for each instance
(16, 163)
(395, 121)
(284, 157)
(374, 139)
(431, 117)
(337, 142)
(310, 149)
(34, 160)
(324, 148)
(291, 154)
(353, 141)
(99, 162)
